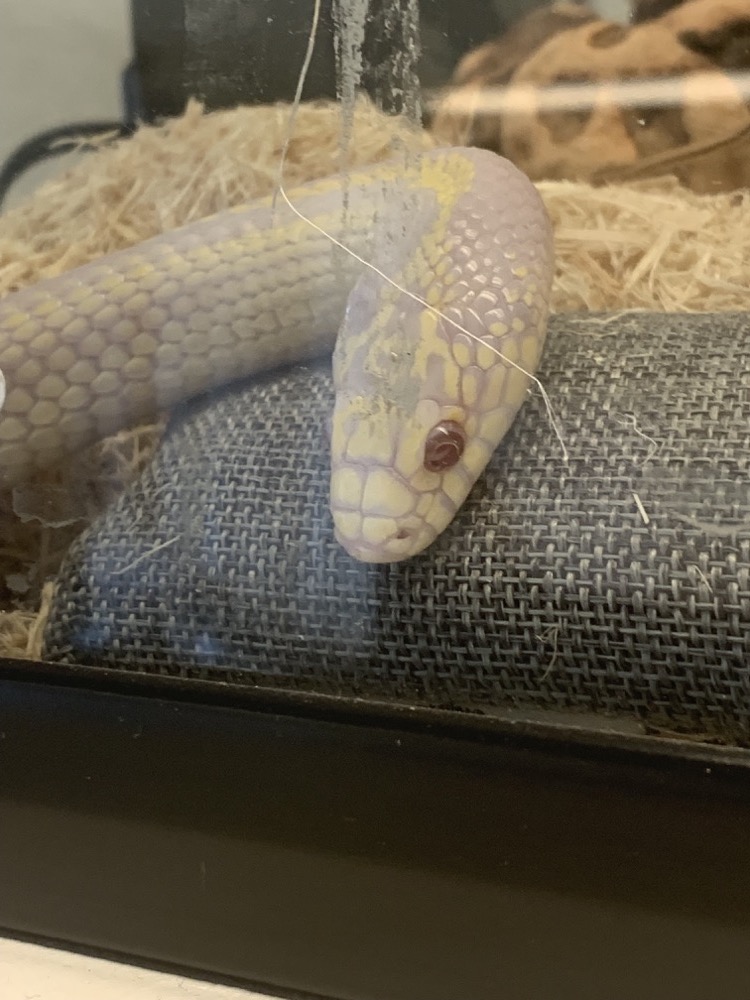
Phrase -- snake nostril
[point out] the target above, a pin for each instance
(402, 533)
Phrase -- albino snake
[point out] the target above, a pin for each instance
(420, 406)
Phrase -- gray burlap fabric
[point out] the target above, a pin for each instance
(617, 582)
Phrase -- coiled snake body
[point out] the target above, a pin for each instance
(461, 253)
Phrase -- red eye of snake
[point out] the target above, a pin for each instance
(444, 446)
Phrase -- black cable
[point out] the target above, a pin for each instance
(55, 142)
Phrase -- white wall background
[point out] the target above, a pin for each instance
(60, 62)
(28, 972)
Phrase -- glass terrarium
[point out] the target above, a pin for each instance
(375, 386)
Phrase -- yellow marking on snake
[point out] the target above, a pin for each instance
(432, 283)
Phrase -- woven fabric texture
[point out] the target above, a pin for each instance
(618, 581)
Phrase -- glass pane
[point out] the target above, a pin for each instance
(457, 415)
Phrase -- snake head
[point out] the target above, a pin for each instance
(413, 428)
(397, 478)
(435, 355)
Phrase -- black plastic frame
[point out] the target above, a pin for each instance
(347, 849)
(252, 51)
(344, 849)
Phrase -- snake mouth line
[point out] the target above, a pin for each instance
(395, 520)
(402, 544)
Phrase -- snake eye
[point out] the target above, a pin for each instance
(444, 446)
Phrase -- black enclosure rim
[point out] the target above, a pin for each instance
(346, 849)
(600, 736)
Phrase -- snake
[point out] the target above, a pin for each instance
(427, 276)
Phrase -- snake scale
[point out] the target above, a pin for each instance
(460, 248)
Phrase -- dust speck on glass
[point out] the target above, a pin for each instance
(392, 350)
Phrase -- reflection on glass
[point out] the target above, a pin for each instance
(441, 395)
